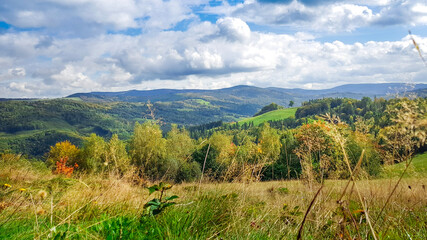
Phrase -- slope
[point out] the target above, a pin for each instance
(270, 116)
(418, 167)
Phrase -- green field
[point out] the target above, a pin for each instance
(418, 167)
(271, 116)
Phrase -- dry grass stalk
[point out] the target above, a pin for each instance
(204, 164)
(306, 213)
(392, 192)
(341, 141)
(354, 173)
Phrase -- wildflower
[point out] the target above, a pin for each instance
(42, 194)
(40, 211)
(285, 206)
(6, 185)
(22, 189)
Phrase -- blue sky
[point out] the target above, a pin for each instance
(53, 48)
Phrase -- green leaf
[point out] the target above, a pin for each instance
(171, 198)
(153, 188)
(153, 202)
(168, 204)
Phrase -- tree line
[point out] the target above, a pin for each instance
(315, 150)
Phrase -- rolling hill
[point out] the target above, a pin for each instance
(32, 125)
(270, 116)
(418, 167)
(250, 94)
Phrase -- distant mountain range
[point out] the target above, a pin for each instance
(256, 95)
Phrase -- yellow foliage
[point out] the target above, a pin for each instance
(62, 150)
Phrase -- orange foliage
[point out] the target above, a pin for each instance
(62, 168)
(62, 150)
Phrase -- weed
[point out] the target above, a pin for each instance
(157, 205)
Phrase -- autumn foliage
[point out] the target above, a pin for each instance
(62, 168)
(63, 150)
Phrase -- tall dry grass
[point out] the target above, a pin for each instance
(88, 207)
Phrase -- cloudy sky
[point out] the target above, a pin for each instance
(52, 48)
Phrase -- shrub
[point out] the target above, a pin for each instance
(63, 150)
(62, 168)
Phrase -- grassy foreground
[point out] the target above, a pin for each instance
(40, 205)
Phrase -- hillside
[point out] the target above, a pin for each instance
(418, 167)
(32, 122)
(31, 126)
(270, 116)
(249, 95)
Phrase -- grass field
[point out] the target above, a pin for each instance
(270, 116)
(109, 207)
(418, 167)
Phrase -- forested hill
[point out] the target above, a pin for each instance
(32, 125)
(252, 95)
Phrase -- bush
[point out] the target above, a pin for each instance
(356, 143)
(64, 150)
(188, 172)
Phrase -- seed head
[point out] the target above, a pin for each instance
(42, 194)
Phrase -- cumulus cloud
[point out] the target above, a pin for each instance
(72, 77)
(91, 17)
(329, 16)
(13, 73)
(19, 87)
(264, 59)
(234, 29)
(221, 53)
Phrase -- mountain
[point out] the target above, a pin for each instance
(243, 93)
(365, 90)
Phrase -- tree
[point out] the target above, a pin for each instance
(268, 143)
(93, 153)
(224, 146)
(291, 103)
(408, 131)
(179, 148)
(148, 149)
(179, 145)
(317, 151)
(116, 157)
(268, 108)
(268, 149)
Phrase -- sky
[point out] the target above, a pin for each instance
(53, 48)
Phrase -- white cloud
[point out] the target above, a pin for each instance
(91, 17)
(13, 73)
(206, 55)
(234, 29)
(19, 87)
(17, 72)
(205, 61)
(73, 78)
(327, 16)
